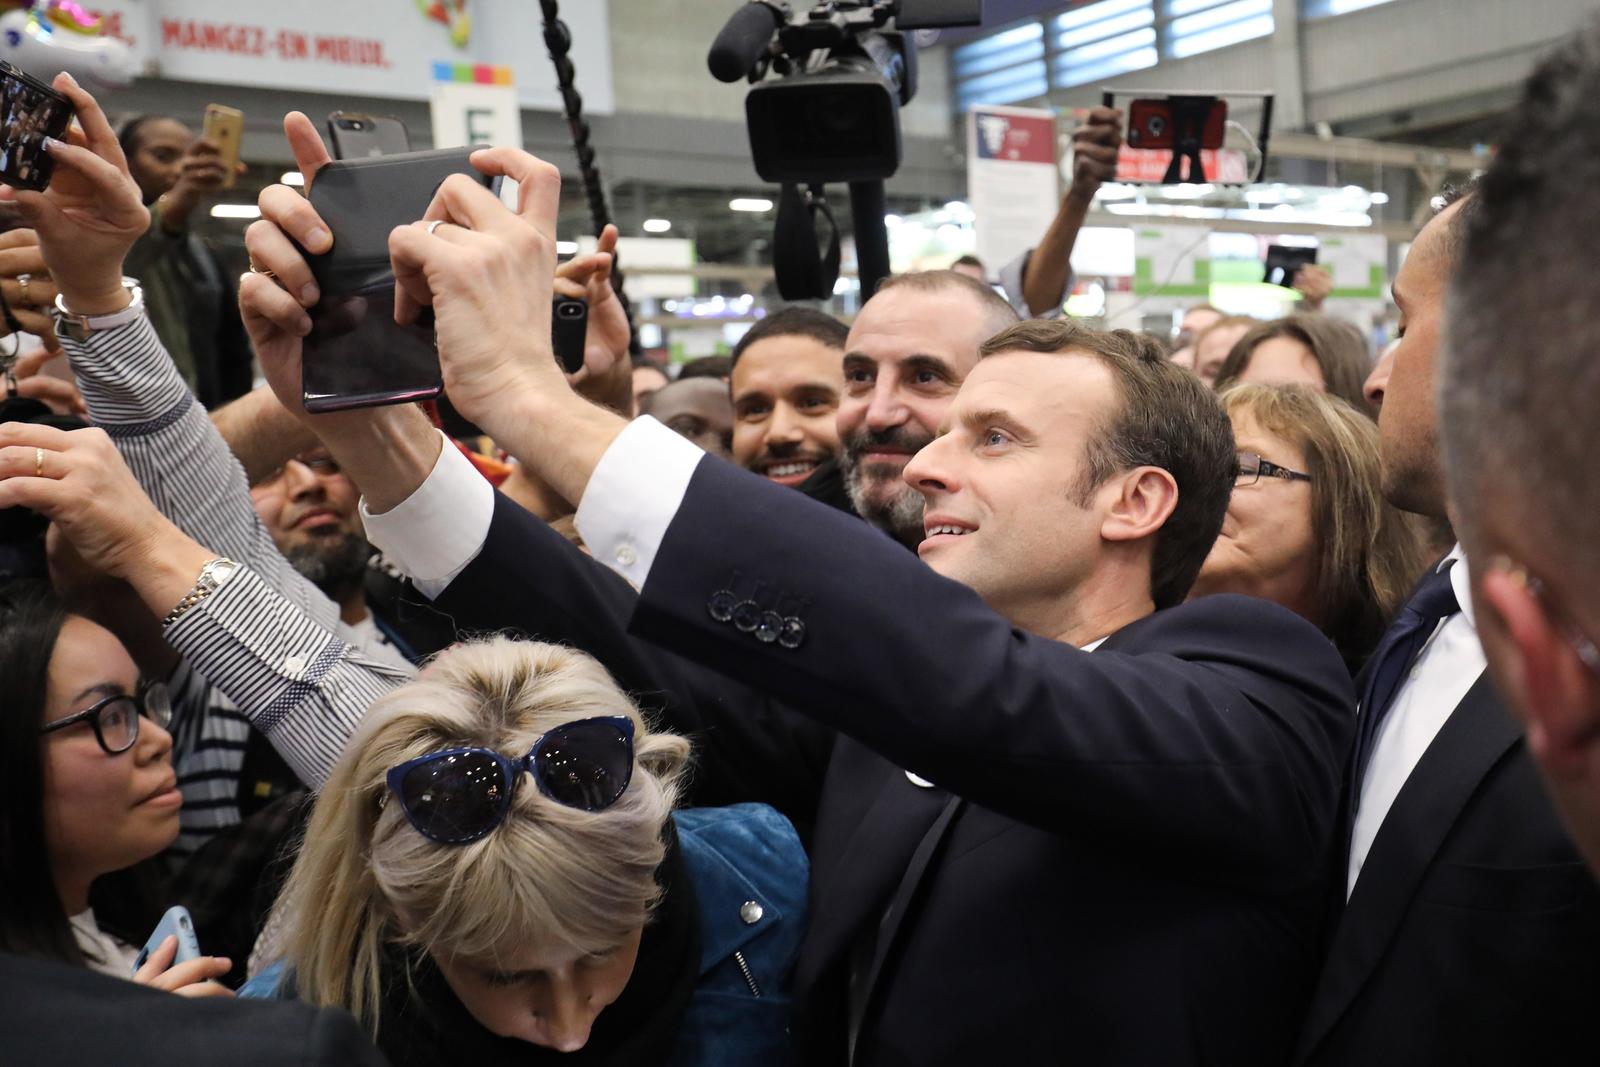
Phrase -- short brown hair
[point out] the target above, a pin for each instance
(1337, 346)
(1000, 313)
(1368, 552)
(1168, 419)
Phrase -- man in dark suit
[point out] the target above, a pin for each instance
(52, 1013)
(1519, 405)
(1467, 930)
(1056, 821)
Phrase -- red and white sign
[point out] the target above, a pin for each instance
(384, 48)
(1013, 182)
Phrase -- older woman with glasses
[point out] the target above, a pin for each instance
(1307, 525)
(494, 873)
(89, 798)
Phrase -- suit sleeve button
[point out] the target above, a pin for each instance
(746, 615)
(792, 632)
(721, 605)
(770, 626)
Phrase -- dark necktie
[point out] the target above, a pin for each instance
(1433, 600)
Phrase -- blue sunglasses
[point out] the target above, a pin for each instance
(461, 794)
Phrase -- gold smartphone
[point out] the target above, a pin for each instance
(224, 127)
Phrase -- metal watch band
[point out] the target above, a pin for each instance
(212, 575)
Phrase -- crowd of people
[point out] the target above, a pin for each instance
(961, 684)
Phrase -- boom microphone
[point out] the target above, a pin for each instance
(740, 44)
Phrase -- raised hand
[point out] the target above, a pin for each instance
(92, 212)
(607, 375)
(488, 273)
(274, 308)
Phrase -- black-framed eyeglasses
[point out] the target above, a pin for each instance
(116, 718)
(1252, 468)
(459, 795)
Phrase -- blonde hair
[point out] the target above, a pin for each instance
(1368, 552)
(548, 875)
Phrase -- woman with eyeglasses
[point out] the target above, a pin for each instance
(494, 873)
(89, 798)
(1307, 525)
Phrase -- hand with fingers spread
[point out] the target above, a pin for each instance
(488, 274)
(191, 978)
(92, 212)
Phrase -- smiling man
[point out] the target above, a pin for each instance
(786, 382)
(908, 351)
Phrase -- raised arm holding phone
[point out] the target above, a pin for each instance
(1071, 755)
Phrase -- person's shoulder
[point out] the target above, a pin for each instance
(738, 849)
(1236, 629)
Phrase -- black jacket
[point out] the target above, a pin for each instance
(1473, 933)
(52, 1013)
(1128, 864)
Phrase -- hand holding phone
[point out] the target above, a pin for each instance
(171, 960)
(30, 111)
(223, 129)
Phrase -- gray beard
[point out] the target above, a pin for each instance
(336, 564)
(900, 516)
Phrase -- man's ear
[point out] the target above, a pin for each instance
(1144, 500)
(1541, 674)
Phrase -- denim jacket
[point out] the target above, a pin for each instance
(750, 875)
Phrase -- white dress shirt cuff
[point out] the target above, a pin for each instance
(633, 496)
(435, 532)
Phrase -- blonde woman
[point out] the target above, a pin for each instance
(1307, 525)
(494, 871)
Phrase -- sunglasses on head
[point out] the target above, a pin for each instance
(459, 795)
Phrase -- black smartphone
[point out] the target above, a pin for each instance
(356, 135)
(30, 111)
(356, 354)
(1283, 261)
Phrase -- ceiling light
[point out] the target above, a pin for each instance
(657, 225)
(566, 248)
(293, 177)
(749, 203)
(235, 211)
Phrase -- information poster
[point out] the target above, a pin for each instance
(1013, 183)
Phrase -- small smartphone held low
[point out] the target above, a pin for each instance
(224, 127)
(30, 111)
(355, 135)
(175, 923)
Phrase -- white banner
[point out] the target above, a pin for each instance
(1013, 185)
(385, 48)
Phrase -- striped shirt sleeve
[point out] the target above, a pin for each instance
(296, 682)
(135, 394)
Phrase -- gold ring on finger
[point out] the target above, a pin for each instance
(264, 272)
(22, 281)
(38, 463)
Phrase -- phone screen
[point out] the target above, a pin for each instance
(30, 111)
(357, 356)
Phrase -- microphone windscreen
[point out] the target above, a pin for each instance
(742, 41)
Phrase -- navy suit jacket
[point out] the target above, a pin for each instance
(1124, 856)
(56, 1014)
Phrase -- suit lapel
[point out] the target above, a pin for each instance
(1475, 737)
(857, 878)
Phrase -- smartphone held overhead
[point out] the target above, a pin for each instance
(223, 128)
(30, 112)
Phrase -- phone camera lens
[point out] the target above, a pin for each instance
(571, 311)
(1156, 125)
